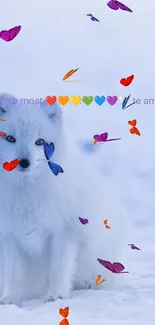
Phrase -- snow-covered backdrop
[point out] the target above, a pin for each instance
(57, 36)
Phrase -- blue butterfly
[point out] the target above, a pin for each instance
(48, 151)
(125, 101)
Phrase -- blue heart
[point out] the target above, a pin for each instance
(99, 100)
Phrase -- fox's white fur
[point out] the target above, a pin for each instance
(61, 254)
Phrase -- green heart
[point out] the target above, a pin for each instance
(87, 99)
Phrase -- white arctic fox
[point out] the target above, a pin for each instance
(44, 249)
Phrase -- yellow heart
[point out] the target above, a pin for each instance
(75, 100)
(63, 100)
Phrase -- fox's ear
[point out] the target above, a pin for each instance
(52, 111)
(6, 101)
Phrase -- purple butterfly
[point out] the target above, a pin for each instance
(134, 247)
(48, 151)
(9, 35)
(113, 267)
(103, 138)
(92, 17)
(83, 221)
(115, 5)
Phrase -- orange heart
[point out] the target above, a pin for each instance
(64, 322)
(134, 130)
(51, 100)
(63, 100)
(132, 123)
(98, 279)
(12, 165)
(64, 312)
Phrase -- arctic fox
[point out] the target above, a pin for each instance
(44, 249)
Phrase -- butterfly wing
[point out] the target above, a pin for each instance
(118, 267)
(98, 137)
(130, 105)
(108, 265)
(90, 15)
(135, 247)
(125, 101)
(94, 19)
(98, 279)
(48, 149)
(14, 32)
(132, 123)
(55, 168)
(68, 74)
(113, 5)
(136, 131)
(64, 322)
(123, 7)
(10, 34)
(64, 312)
(105, 222)
(104, 136)
(108, 227)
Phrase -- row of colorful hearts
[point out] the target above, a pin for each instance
(75, 100)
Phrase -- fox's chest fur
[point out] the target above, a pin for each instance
(40, 206)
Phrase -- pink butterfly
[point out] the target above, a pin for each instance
(9, 35)
(113, 267)
(103, 138)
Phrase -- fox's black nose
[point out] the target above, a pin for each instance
(24, 163)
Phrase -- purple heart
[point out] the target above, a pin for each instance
(112, 100)
(83, 221)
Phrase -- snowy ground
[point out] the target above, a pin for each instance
(53, 40)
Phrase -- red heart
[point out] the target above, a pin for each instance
(51, 100)
(12, 165)
(126, 82)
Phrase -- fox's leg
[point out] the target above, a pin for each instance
(62, 261)
(10, 292)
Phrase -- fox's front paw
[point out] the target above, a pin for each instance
(4, 300)
(53, 297)
(50, 297)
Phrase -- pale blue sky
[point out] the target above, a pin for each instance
(57, 36)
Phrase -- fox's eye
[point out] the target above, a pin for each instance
(39, 142)
(9, 138)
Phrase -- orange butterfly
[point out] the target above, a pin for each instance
(98, 279)
(69, 74)
(105, 223)
(134, 130)
(64, 313)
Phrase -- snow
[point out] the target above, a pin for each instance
(55, 38)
